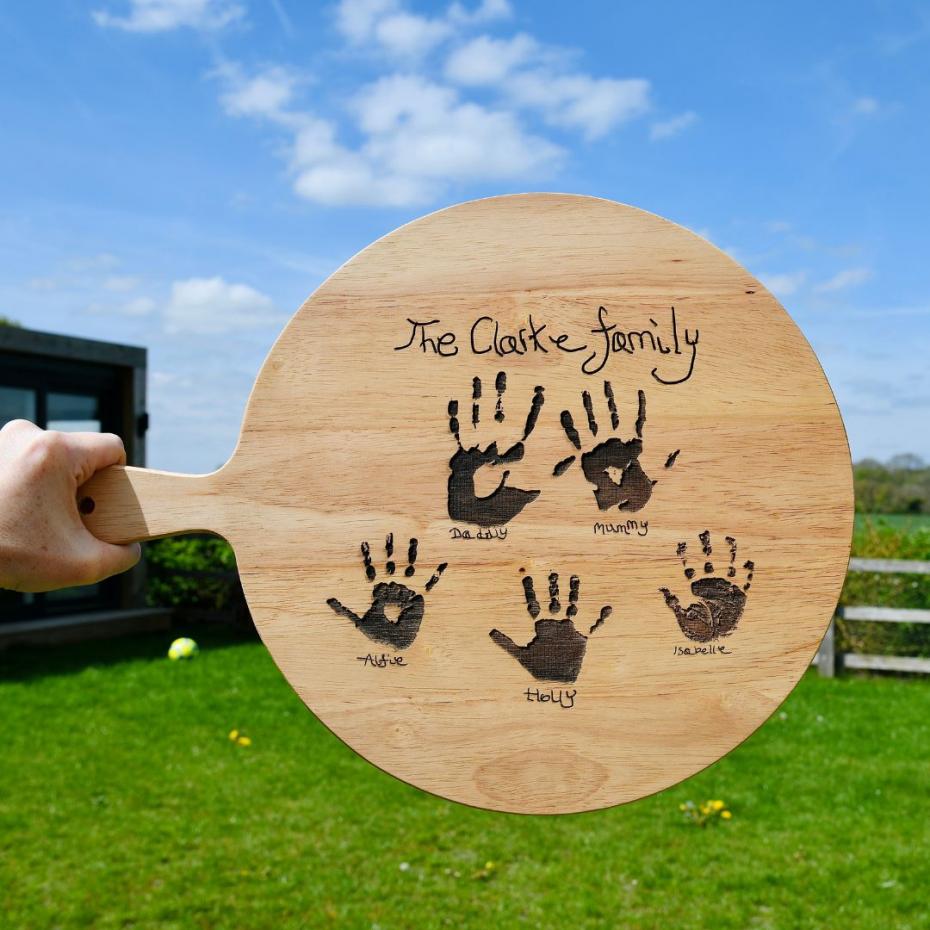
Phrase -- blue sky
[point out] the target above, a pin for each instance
(181, 174)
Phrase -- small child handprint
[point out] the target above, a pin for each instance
(557, 650)
(399, 598)
(720, 602)
(612, 466)
(505, 502)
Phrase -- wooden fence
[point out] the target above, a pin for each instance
(827, 659)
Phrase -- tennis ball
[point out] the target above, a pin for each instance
(182, 648)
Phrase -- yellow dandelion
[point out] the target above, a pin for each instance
(244, 741)
(717, 805)
(682, 807)
(234, 735)
(726, 815)
(489, 866)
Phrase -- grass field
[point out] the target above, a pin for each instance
(123, 804)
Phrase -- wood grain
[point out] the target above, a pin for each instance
(347, 439)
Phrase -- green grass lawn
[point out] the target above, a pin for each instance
(123, 804)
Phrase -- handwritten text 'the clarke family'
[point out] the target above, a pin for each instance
(487, 336)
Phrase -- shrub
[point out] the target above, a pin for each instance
(196, 575)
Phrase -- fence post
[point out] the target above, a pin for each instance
(826, 654)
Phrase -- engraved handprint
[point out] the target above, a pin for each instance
(612, 466)
(505, 502)
(557, 650)
(399, 599)
(720, 602)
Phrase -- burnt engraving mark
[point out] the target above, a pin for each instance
(720, 603)
(557, 650)
(612, 466)
(505, 502)
(405, 604)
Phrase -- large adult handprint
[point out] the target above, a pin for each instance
(557, 650)
(390, 595)
(505, 502)
(720, 602)
(612, 466)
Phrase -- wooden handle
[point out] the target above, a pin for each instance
(122, 505)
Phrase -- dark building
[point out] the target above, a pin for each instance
(64, 383)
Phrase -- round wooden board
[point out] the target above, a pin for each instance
(716, 428)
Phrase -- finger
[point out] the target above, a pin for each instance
(671, 600)
(370, 572)
(106, 560)
(750, 567)
(563, 466)
(342, 610)
(411, 558)
(389, 565)
(529, 592)
(505, 642)
(707, 549)
(454, 420)
(89, 452)
(434, 578)
(611, 405)
(731, 542)
(683, 555)
(606, 611)
(641, 416)
(535, 407)
(574, 583)
(554, 605)
(475, 397)
(589, 410)
(568, 424)
(500, 385)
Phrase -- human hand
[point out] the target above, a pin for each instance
(505, 502)
(44, 545)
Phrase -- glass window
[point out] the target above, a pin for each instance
(71, 413)
(17, 404)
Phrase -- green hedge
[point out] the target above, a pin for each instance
(878, 538)
(196, 575)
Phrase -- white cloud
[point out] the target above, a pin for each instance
(579, 101)
(165, 15)
(213, 305)
(423, 128)
(386, 24)
(417, 136)
(666, 129)
(485, 60)
(404, 138)
(848, 277)
(267, 94)
(485, 12)
(397, 31)
(406, 34)
(356, 19)
(532, 77)
(784, 284)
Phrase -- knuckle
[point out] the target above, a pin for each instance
(14, 427)
(45, 448)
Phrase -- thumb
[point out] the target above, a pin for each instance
(106, 559)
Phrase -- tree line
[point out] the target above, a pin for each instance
(900, 485)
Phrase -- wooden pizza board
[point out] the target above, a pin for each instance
(445, 386)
